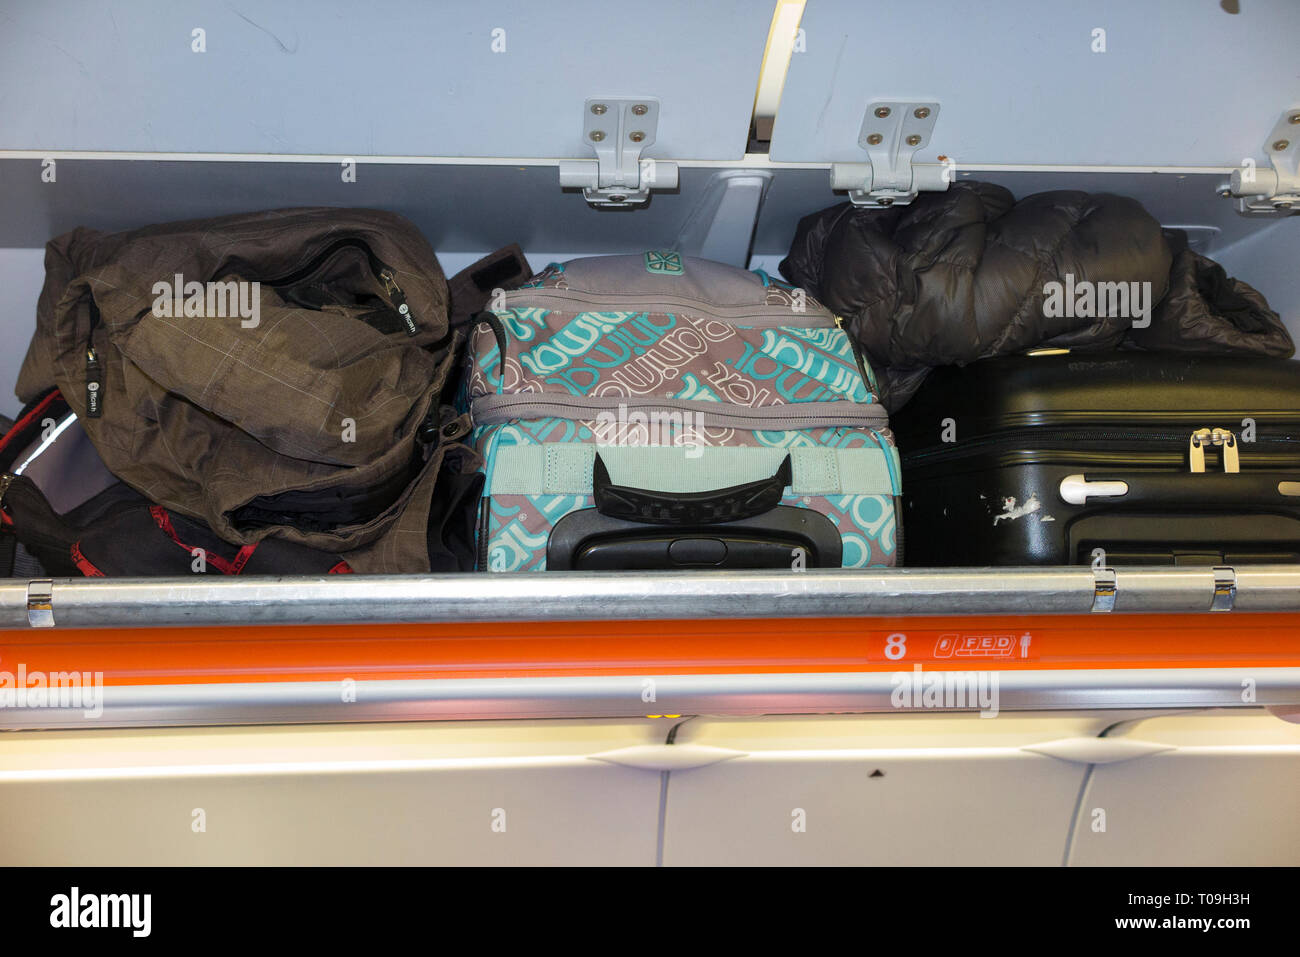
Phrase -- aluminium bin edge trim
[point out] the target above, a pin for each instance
(569, 596)
(736, 695)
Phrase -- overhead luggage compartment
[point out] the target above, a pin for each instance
(1160, 84)
(485, 80)
(594, 133)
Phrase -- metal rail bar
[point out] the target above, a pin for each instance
(568, 596)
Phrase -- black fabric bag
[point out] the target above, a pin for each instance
(68, 516)
(16, 444)
(120, 533)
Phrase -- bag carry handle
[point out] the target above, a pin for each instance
(589, 541)
(689, 508)
(1237, 489)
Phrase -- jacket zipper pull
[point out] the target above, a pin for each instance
(399, 300)
(94, 384)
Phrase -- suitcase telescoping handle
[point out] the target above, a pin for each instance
(1236, 489)
(689, 508)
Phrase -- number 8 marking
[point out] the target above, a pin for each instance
(895, 646)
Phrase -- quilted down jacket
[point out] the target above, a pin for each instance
(968, 274)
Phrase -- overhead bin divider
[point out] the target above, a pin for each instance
(1273, 190)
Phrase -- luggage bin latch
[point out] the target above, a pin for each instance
(891, 134)
(40, 603)
(1225, 589)
(618, 130)
(1105, 588)
(1273, 190)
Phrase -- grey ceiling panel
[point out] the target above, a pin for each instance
(492, 78)
(1181, 82)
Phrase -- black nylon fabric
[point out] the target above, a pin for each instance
(1206, 310)
(960, 275)
(117, 534)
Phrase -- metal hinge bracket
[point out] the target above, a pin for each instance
(892, 132)
(1272, 190)
(618, 130)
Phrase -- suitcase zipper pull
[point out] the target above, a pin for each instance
(1231, 462)
(94, 384)
(399, 300)
(1196, 450)
(1221, 437)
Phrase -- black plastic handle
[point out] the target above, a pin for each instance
(1242, 489)
(689, 508)
(587, 540)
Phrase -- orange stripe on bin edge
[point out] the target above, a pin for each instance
(723, 646)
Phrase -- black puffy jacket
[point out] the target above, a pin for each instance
(963, 275)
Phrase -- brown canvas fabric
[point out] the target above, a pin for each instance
(471, 289)
(315, 412)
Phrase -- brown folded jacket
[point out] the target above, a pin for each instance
(309, 414)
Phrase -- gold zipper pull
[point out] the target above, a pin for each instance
(1196, 449)
(1227, 439)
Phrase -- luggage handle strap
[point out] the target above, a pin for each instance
(689, 508)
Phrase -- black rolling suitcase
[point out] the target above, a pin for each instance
(1155, 459)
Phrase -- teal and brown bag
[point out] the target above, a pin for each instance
(661, 411)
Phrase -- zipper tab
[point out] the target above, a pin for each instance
(1196, 450)
(1231, 461)
(94, 384)
(399, 300)
(1203, 437)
